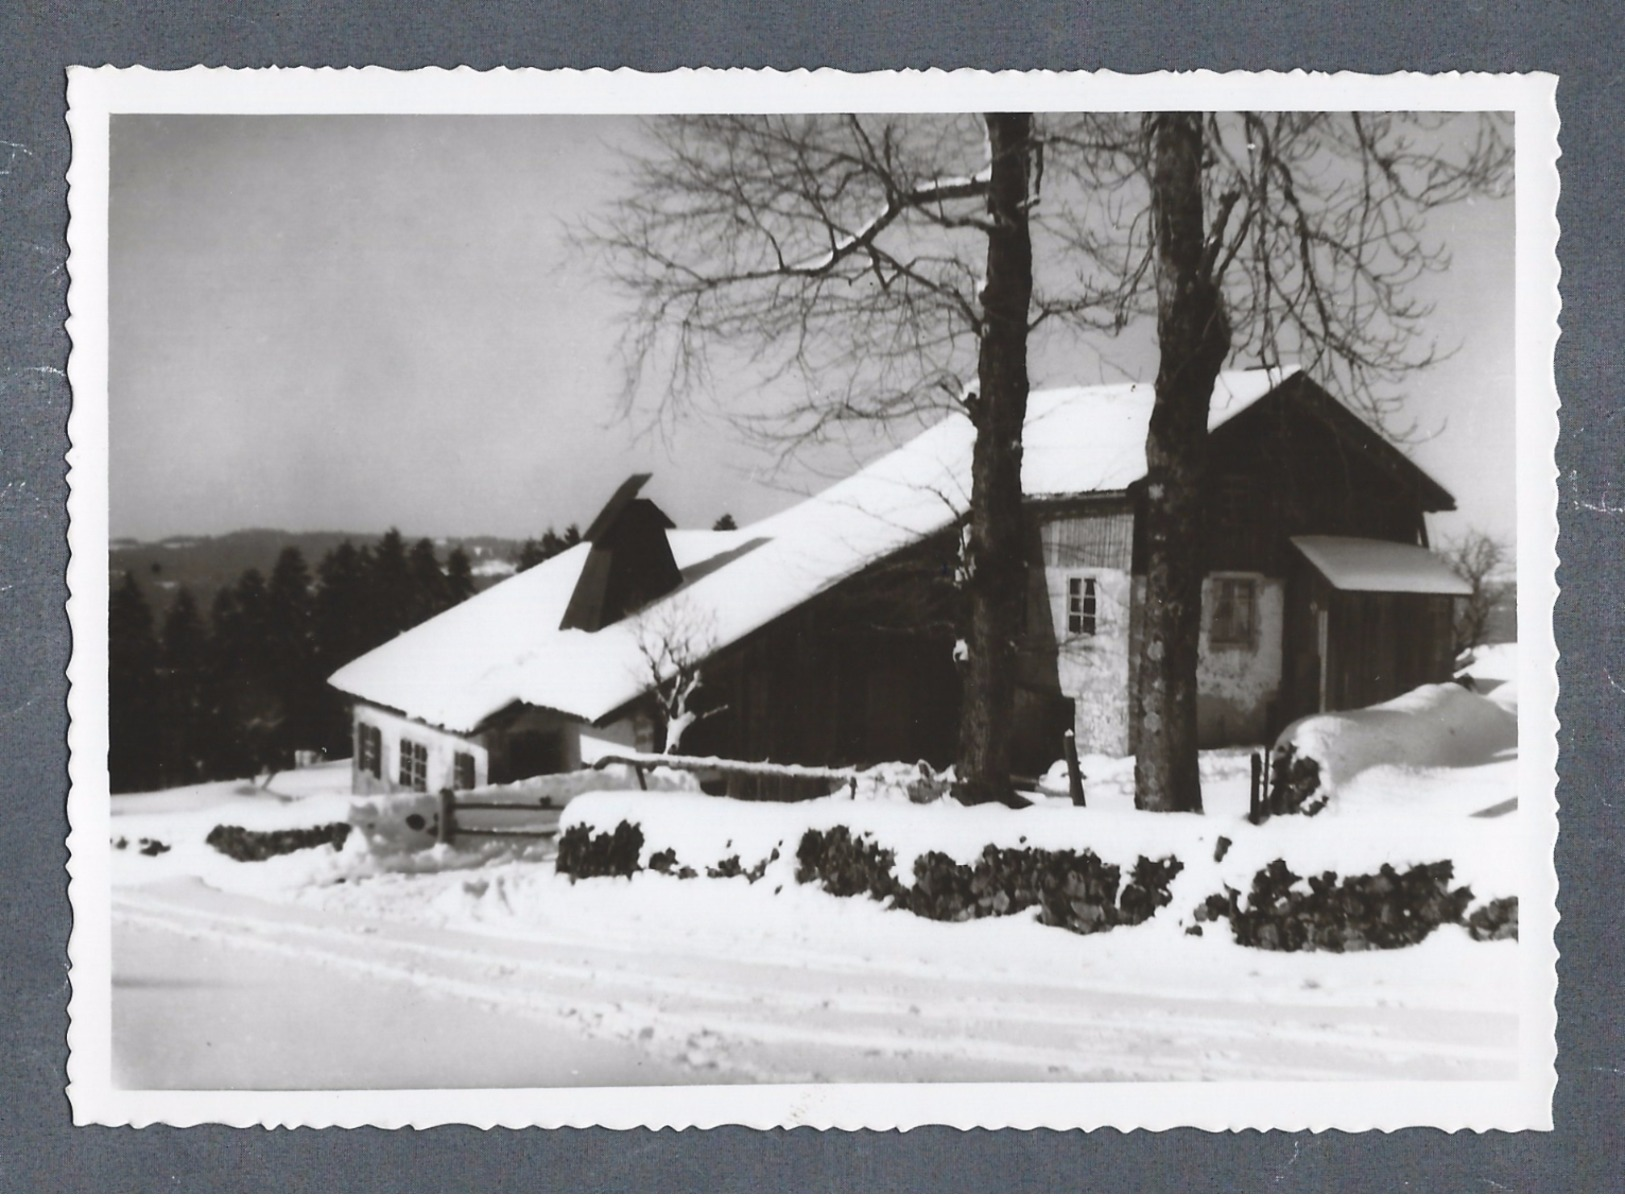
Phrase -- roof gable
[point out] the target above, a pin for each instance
(1309, 399)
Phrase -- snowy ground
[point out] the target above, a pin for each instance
(482, 967)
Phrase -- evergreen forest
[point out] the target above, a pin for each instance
(236, 691)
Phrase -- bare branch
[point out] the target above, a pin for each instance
(673, 640)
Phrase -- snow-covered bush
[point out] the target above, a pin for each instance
(1439, 725)
(1387, 909)
(241, 844)
(606, 855)
(1083, 869)
(1495, 920)
(729, 867)
(846, 865)
(1072, 890)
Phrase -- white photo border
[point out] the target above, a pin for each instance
(95, 94)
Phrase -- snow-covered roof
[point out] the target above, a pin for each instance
(1083, 439)
(1359, 564)
(505, 645)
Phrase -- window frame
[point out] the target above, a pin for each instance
(1231, 585)
(459, 761)
(1082, 605)
(413, 769)
(370, 749)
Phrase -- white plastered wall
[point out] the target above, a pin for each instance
(1093, 670)
(442, 748)
(1235, 684)
(581, 745)
(627, 733)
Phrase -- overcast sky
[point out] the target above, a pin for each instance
(349, 323)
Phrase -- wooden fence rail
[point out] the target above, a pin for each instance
(763, 780)
(792, 781)
(450, 828)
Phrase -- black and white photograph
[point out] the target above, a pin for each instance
(849, 600)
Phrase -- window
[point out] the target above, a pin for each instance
(462, 771)
(370, 750)
(1080, 606)
(1235, 612)
(414, 765)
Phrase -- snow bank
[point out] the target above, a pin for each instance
(390, 833)
(1108, 782)
(1437, 727)
(398, 833)
(703, 832)
(1490, 665)
(1492, 671)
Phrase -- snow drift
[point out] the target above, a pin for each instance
(1439, 726)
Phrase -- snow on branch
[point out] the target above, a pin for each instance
(673, 640)
(762, 769)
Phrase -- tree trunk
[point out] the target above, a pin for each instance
(1194, 338)
(995, 550)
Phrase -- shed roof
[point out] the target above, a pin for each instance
(1360, 564)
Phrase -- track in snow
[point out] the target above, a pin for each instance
(559, 1011)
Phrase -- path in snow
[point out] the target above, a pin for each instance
(527, 1011)
(203, 1012)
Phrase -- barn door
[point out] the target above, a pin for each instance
(1304, 651)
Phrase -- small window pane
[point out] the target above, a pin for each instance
(1080, 606)
(414, 765)
(463, 771)
(1234, 611)
(369, 747)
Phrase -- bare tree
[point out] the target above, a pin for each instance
(1477, 557)
(1265, 236)
(674, 639)
(883, 261)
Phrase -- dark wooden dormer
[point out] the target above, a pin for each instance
(629, 563)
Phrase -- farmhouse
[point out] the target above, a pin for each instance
(825, 633)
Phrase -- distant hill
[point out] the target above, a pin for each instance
(205, 564)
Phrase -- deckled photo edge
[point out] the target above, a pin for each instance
(96, 94)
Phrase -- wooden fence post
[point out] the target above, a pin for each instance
(448, 815)
(1254, 795)
(1074, 772)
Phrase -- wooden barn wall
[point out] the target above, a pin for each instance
(1279, 471)
(1306, 594)
(1101, 539)
(862, 674)
(1378, 645)
(1383, 645)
